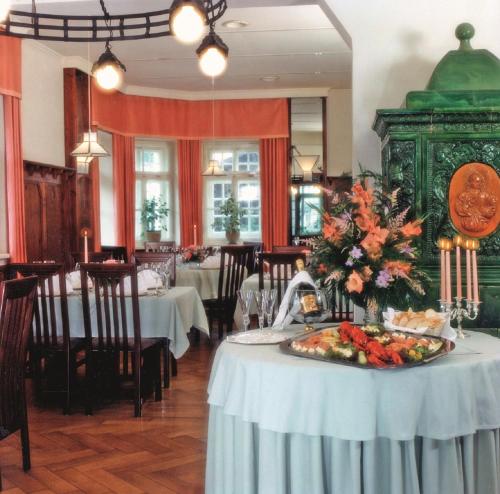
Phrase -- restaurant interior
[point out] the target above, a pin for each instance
(249, 247)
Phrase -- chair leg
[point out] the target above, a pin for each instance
(88, 383)
(174, 365)
(25, 441)
(158, 388)
(166, 363)
(136, 360)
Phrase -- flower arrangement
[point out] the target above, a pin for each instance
(368, 248)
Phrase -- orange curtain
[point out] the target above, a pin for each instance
(14, 175)
(190, 192)
(124, 190)
(274, 155)
(96, 203)
(160, 117)
(10, 66)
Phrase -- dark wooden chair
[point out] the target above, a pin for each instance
(78, 257)
(151, 260)
(235, 264)
(117, 252)
(281, 267)
(17, 298)
(294, 249)
(167, 246)
(53, 353)
(114, 354)
(258, 247)
(342, 309)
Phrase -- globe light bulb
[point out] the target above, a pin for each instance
(4, 9)
(109, 77)
(213, 62)
(187, 21)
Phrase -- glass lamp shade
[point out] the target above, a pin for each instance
(89, 147)
(307, 164)
(213, 169)
(83, 164)
(108, 71)
(187, 20)
(4, 9)
(212, 55)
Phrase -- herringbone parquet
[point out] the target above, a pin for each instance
(112, 452)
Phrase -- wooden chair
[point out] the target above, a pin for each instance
(110, 346)
(17, 298)
(294, 249)
(167, 246)
(258, 247)
(235, 264)
(117, 252)
(53, 353)
(151, 259)
(78, 257)
(281, 268)
(342, 309)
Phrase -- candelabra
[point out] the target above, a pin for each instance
(462, 308)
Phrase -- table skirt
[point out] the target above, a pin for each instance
(243, 459)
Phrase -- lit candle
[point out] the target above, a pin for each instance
(468, 273)
(442, 285)
(85, 247)
(195, 235)
(449, 246)
(475, 284)
(457, 241)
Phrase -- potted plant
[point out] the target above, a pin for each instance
(154, 213)
(232, 216)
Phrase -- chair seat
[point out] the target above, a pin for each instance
(75, 345)
(146, 343)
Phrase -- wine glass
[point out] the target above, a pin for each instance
(261, 302)
(271, 296)
(245, 298)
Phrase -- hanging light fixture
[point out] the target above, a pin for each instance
(212, 54)
(307, 163)
(4, 9)
(83, 164)
(187, 20)
(108, 70)
(213, 168)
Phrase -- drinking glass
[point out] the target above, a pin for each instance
(271, 297)
(260, 302)
(245, 298)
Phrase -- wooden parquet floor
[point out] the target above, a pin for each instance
(113, 452)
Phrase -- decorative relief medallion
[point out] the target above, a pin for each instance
(474, 200)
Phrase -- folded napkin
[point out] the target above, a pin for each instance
(211, 262)
(127, 287)
(149, 279)
(75, 280)
(284, 318)
(57, 290)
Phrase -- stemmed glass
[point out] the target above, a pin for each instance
(261, 302)
(245, 298)
(271, 296)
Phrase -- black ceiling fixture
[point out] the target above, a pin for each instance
(93, 28)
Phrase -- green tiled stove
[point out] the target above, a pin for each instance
(455, 121)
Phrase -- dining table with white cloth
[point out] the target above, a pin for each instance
(283, 424)
(171, 314)
(204, 279)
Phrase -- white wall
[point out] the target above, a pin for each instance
(396, 45)
(339, 131)
(108, 233)
(42, 104)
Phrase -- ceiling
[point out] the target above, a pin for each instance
(297, 46)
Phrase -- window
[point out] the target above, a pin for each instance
(155, 176)
(241, 163)
(307, 201)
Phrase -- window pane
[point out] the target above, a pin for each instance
(153, 161)
(218, 190)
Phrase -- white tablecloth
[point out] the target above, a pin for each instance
(171, 315)
(205, 281)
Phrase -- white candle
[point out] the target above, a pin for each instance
(442, 277)
(448, 276)
(475, 284)
(195, 235)
(468, 271)
(458, 244)
(85, 247)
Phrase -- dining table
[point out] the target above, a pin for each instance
(204, 279)
(167, 313)
(283, 424)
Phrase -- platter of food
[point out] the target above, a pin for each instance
(369, 347)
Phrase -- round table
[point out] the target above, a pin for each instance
(205, 280)
(281, 424)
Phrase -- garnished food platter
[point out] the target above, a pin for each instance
(367, 347)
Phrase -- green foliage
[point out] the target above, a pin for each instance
(154, 211)
(232, 215)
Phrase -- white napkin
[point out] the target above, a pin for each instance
(74, 279)
(127, 287)
(284, 318)
(447, 331)
(211, 262)
(57, 290)
(149, 279)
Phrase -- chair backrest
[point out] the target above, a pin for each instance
(153, 260)
(342, 308)
(115, 285)
(17, 298)
(167, 246)
(282, 269)
(117, 252)
(47, 325)
(294, 249)
(236, 262)
(258, 247)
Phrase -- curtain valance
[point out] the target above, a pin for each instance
(170, 118)
(10, 66)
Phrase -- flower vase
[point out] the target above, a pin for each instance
(373, 312)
